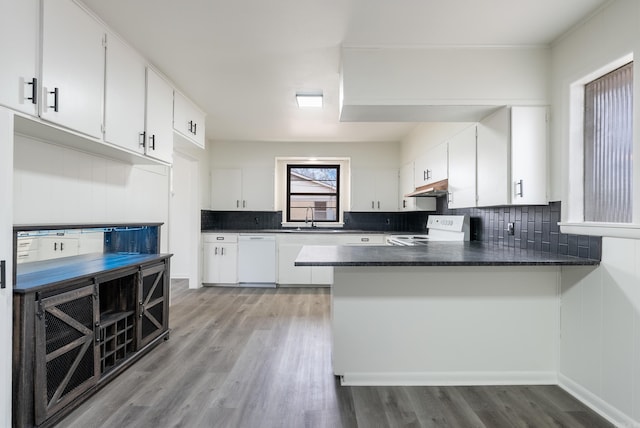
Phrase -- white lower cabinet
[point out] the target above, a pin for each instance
(220, 258)
(53, 247)
(289, 246)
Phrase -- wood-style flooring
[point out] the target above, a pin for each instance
(251, 357)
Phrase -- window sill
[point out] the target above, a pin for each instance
(614, 230)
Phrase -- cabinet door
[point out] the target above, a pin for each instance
(257, 189)
(406, 186)
(493, 159)
(67, 359)
(220, 264)
(72, 68)
(188, 120)
(226, 189)
(124, 96)
(462, 169)
(228, 267)
(56, 247)
(153, 307)
(363, 197)
(386, 190)
(529, 155)
(288, 273)
(19, 30)
(431, 167)
(159, 118)
(374, 190)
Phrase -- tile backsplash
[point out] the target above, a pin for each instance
(535, 226)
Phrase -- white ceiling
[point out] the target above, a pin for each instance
(242, 61)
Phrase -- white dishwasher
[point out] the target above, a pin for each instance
(257, 260)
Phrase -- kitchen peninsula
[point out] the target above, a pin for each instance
(445, 313)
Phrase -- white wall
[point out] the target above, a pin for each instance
(440, 76)
(54, 184)
(600, 344)
(263, 153)
(6, 253)
(427, 135)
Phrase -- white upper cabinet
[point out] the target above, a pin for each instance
(406, 186)
(159, 118)
(432, 167)
(493, 159)
(124, 96)
(250, 189)
(512, 157)
(374, 189)
(529, 140)
(73, 59)
(19, 30)
(462, 169)
(188, 120)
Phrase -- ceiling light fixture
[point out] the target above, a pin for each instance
(309, 100)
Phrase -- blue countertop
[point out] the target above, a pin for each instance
(37, 276)
(433, 254)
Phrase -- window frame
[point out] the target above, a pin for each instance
(337, 195)
(573, 216)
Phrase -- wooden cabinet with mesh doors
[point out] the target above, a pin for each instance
(71, 337)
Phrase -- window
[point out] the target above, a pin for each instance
(608, 147)
(313, 193)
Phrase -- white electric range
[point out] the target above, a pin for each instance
(439, 228)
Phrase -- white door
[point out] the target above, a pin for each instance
(19, 30)
(72, 68)
(6, 256)
(184, 220)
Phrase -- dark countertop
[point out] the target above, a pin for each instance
(316, 230)
(37, 276)
(432, 254)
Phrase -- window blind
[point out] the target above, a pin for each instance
(608, 147)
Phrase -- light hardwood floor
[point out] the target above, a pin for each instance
(247, 357)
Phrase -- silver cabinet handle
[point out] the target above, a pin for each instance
(521, 192)
(244, 204)
(378, 204)
(215, 251)
(222, 251)
(237, 203)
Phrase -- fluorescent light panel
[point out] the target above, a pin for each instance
(309, 100)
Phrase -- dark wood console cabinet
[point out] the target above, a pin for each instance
(79, 322)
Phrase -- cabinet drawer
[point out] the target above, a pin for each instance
(220, 237)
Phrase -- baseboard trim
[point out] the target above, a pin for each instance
(597, 404)
(448, 378)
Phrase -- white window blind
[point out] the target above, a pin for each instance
(608, 147)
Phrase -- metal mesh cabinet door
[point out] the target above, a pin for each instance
(67, 360)
(153, 316)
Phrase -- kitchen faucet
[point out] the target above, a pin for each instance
(306, 217)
